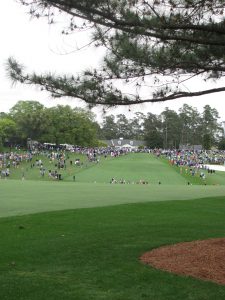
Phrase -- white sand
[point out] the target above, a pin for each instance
(215, 167)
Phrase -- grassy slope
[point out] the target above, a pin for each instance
(217, 178)
(132, 167)
(34, 173)
(92, 254)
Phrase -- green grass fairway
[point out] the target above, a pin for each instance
(132, 167)
(24, 197)
(82, 240)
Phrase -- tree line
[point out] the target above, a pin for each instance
(63, 124)
(59, 124)
(170, 129)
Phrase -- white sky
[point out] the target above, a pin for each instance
(40, 47)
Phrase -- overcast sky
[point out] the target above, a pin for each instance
(41, 47)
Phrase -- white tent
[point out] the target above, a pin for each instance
(127, 146)
(215, 167)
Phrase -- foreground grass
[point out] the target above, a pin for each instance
(94, 253)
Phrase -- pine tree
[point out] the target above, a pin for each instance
(158, 43)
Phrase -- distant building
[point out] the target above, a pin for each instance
(125, 143)
(190, 147)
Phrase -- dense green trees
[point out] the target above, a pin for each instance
(137, 126)
(190, 125)
(7, 130)
(153, 133)
(63, 124)
(71, 126)
(157, 44)
(210, 127)
(60, 124)
(169, 129)
(221, 144)
(109, 128)
(30, 118)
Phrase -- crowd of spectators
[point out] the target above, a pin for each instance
(10, 160)
(193, 158)
(193, 162)
(124, 181)
(59, 158)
